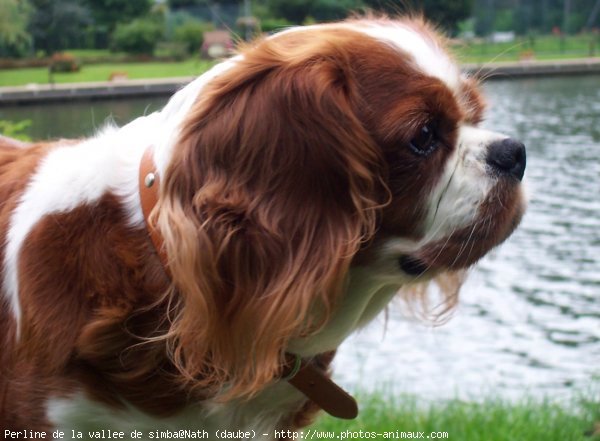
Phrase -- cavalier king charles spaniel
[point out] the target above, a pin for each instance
(196, 268)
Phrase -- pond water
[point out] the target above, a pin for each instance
(529, 316)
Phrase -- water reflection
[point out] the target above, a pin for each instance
(72, 120)
(529, 319)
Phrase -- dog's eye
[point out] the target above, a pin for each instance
(425, 140)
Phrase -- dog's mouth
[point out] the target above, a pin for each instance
(453, 253)
(413, 266)
(465, 246)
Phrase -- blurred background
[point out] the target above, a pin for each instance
(98, 31)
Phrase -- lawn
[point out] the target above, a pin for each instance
(547, 47)
(541, 48)
(492, 420)
(82, 54)
(102, 72)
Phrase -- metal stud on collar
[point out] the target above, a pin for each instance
(295, 368)
(149, 180)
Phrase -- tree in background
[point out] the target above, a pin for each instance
(53, 25)
(138, 37)
(191, 34)
(177, 4)
(297, 11)
(328, 10)
(109, 13)
(15, 41)
(58, 24)
(294, 11)
(535, 16)
(445, 13)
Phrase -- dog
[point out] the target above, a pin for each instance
(196, 268)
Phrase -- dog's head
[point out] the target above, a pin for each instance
(319, 149)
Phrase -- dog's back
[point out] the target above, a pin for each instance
(18, 161)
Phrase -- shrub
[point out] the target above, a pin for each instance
(138, 37)
(175, 19)
(63, 62)
(171, 50)
(191, 33)
(269, 25)
(15, 129)
(18, 47)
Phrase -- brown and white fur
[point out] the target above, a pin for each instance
(303, 183)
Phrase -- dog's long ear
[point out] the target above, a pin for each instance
(269, 194)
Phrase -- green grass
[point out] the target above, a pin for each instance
(91, 53)
(547, 47)
(494, 420)
(101, 72)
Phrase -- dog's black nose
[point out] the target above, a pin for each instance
(507, 157)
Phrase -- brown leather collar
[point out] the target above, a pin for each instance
(316, 385)
(149, 185)
(302, 374)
